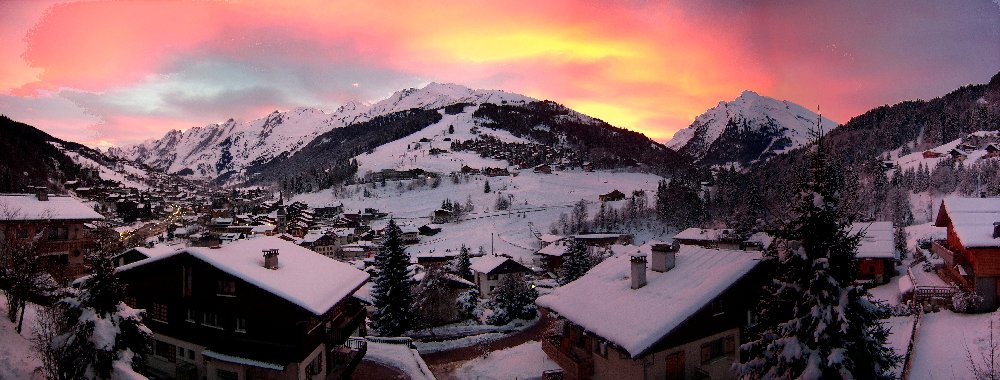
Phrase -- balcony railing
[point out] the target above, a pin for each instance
(942, 251)
(575, 364)
(344, 358)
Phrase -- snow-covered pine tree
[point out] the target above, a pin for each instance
(104, 335)
(432, 299)
(513, 299)
(462, 264)
(816, 323)
(392, 286)
(576, 262)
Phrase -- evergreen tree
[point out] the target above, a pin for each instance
(486, 187)
(102, 334)
(576, 262)
(513, 299)
(432, 299)
(816, 323)
(393, 283)
(462, 265)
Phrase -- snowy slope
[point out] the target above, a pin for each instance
(913, 160)
(230, 147)
(750, 128)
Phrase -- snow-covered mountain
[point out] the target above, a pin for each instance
(748, 129)
(227, 149)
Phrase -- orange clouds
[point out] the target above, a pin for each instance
(149, 66)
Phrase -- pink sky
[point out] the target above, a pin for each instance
(111, 73)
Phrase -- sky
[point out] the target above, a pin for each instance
(108, 73)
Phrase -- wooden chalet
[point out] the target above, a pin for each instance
(615, 195)
(971, 251)
(490, 271)
(680, 315)
(60, 222)
(261, 308)
(876, 256)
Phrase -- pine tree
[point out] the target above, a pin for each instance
(462, 265)
(432, 299)
(816, 323)
(513, 299)
(486, 187)
(576, 262)
(393, 283)
(103, 333)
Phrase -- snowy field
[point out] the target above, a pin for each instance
(526, 361)
(944, 340)
(17, 359)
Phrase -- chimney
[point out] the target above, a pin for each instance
(996, 230)
(664, 257)
(42, 193)
(638, 260)
(271, 258)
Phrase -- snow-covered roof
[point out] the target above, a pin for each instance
(762, 238)
(487, 264)
(550, 238)
(972, 219)
(554, 249)
(877, 242)
(314, 282)
(57, 207)
(701, 234)
(603, 302)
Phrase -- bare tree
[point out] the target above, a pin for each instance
(23, 273)
(48, 326)
(985, 366)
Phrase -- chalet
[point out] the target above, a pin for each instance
(496, 172)
(682, 316)
(442, 310)
(932, 154)
(212, 312)
(603, 240)
(489, 271)
(469, 170)
(357, 250)
(409, 234)
(141, 253)
(723, 238)
(60, 222)
(876, 255)
(612, 196)
(429, 229)
(546, 239)
(320, 243)
(551, 255)
(992, 151)
(441, 216)
(758, 241)
(434, 258)
(543, 168)
(958, 154)
(971, 252)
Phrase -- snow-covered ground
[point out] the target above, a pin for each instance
(900, 331)
(17, 359)
(526, 361)
(944, 341)
(401, 357)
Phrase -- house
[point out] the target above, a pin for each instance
(551, 255)
(357, 250)
(490, 271)
(320, 243)
(543, 168)
(758, 241)
(603, 240)
(992, 151)
(212, 312)
(723, 238)
(971, 252)
(409, 234)
(932, 154)
(958, 154)
(60, 221)
(612, 196)
(876, 255)
(429, 229)
(439, 311)
(659, 312)
(546, 239)
(141, 253)
(441, 216)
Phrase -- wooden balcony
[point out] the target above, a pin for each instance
(575, 362)
(950, 257)
(344, 358)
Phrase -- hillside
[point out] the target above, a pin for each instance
(30, 157)
(752, 128)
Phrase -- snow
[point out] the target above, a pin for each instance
(526, 361)
(602, 301)
(243, 361)
(556, 249)
(943, 339)
(107, 173)
(487, 264)
(305, 278)
(700, 234)
(58, 207)
(877, 242)
(900, 331)
(399, 356)
(17, 359)
(973, 220)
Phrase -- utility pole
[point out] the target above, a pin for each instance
(492, 252)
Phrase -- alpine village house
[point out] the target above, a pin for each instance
(682, 316)
(58, 221)
(971, 251)
(261, 308)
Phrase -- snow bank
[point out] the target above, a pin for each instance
(526, 361)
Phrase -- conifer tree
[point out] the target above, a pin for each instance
(816, 323)
(462, 265)
(576, 262)
(513, 299)
(102, 334)
(392, 293)
(486, 187)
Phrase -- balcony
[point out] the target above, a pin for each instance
(943, 252)
(343, 325)
(344, 358)
(575, 362)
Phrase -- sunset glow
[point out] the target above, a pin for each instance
(110, 73)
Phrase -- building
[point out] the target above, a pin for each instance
(440, 311)
(615, 195)
(971, 252)
(490, 271)
(409, 234)
(320, 243)
(603, 240)
(551, 255)
(60, 221)
(876, 255)
(681, 315)
(214, 312)
(723, 238)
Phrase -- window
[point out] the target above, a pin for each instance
(241, 325)
(725, 346)
(164, 350)
(222, 374)
(717, 308)
(187, 280)
(601, 348)
(130, 301)
(58, 233)
(226, 288)
(491, 277)
(160, 312)
(190, 315)
(316, 365)
(190, 354)
(21, 233)
(210, 319)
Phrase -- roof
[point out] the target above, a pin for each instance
(58, 207)
(972, 220)
(703, 234)
(603, 302)
(554, 249)
(550, 238)
(489, 264)
(877, 242)
(305, 278)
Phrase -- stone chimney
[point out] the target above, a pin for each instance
(271, 258)
(996, 229)
(664, 257)
(638, 261)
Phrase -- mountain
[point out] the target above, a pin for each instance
(30, 157)
(749, 129)
(226, 150)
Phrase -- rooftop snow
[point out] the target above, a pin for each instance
(972, 219)
(694, 233)
(603, 302)
(487, 264)
(305, 278)
(58, 207)
(877, 242)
